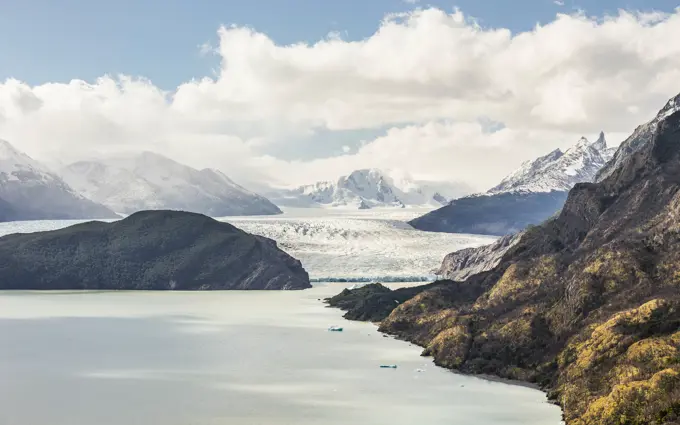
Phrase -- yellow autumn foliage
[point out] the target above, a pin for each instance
(605, 339)
(450, 346)
(635, 402)
(513, 283)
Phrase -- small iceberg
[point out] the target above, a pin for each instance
(388, 366)
(335, 329)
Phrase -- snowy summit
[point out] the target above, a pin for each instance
(150, 181)
(30, 191)
(530, 195)
(364, 189)
(558, 171)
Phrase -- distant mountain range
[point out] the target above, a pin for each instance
(529, 195)
(365, 189)
(30, 191)
(150, 181)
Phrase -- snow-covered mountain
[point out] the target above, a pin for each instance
(364, 189)
(529, 195)
(151, 181)
(30, 191)
(558, 171)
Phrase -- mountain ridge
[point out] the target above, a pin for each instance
(558, 171)
(641, 135)
(152, 181)
(364, 189)
(31, 191)
(530, 194)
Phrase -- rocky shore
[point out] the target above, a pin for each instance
(586, 305)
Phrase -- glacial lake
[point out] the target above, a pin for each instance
(228, 358)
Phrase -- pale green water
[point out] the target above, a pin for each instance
(208, 358)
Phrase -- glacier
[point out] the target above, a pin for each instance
(359, 245)
(339, 245)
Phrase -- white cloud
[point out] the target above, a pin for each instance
(428, 75)
(559, 2)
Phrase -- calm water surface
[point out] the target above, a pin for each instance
(208, 358)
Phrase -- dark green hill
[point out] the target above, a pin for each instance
(148, 250)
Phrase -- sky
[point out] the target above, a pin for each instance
(290, 92)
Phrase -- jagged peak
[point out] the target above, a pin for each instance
(554, 154)
(583, 141)
(672, 106)
(601, 143)
(557, 170)
(376, 187)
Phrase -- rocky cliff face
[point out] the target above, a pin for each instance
(641, 136)
(586, 305)
(148, 250)
(460, 265)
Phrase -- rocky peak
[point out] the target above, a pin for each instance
(601, 143)
(640, 137)
(672, 106)
(557, 171)
(582, 143)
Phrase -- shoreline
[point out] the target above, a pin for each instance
(483, 377)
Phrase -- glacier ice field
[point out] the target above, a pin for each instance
(338, 244)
